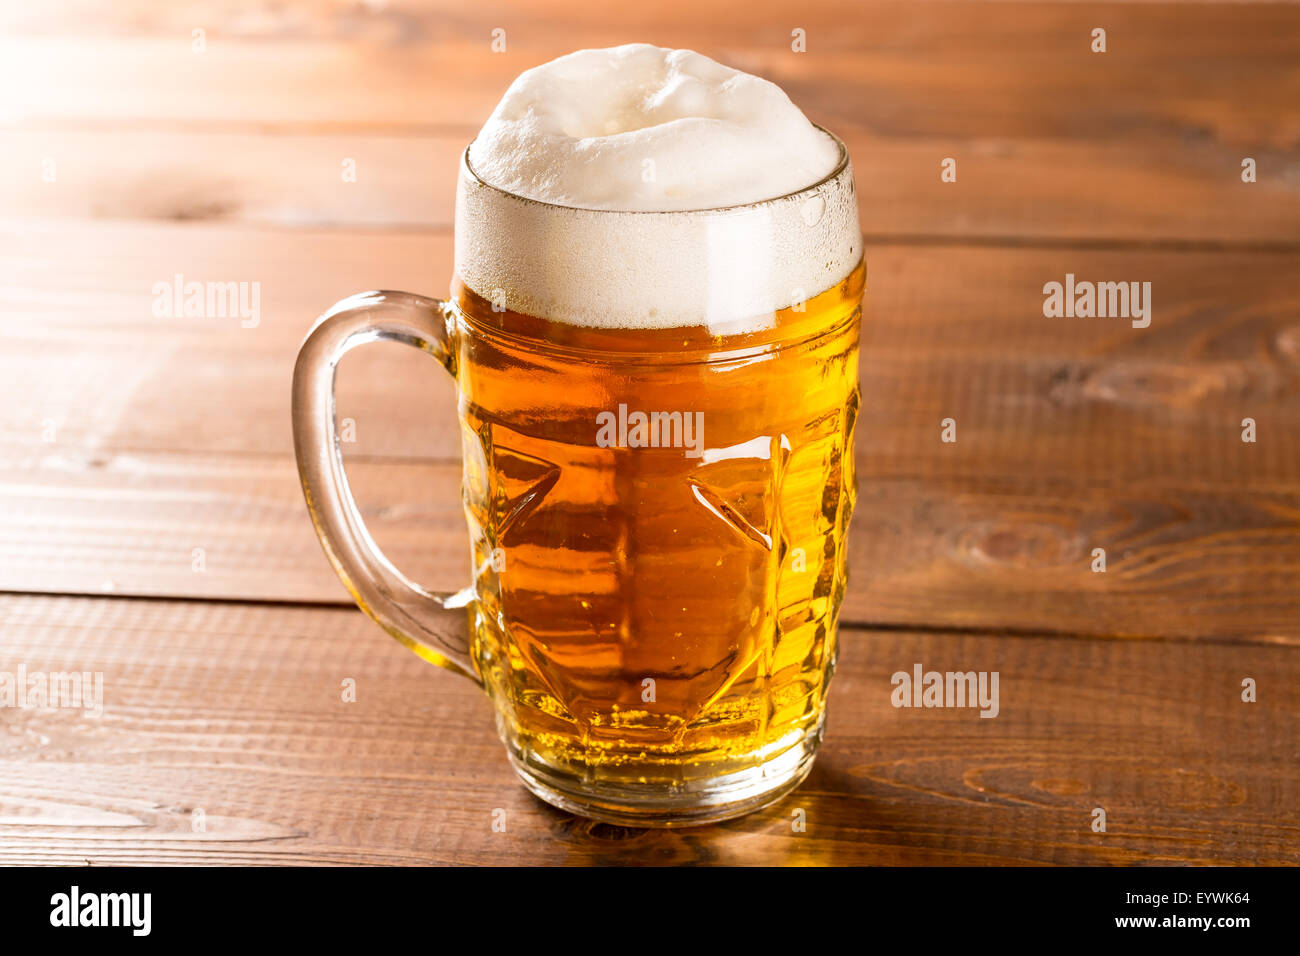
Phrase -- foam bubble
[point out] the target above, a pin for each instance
(639, 187)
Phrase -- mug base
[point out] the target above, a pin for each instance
(691, 803)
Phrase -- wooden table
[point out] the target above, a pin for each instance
(152, 529)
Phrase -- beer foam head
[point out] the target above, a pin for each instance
(640, 187)
(641, 128)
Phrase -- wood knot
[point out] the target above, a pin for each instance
(1060, 786)
(1288, 343)
(1142, 383)
(1021, 543)
(1145, 383)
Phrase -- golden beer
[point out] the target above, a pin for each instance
(654, 613)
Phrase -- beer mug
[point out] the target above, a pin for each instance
(657, 413)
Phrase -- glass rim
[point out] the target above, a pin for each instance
(840, 167)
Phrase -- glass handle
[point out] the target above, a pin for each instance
(435, 626)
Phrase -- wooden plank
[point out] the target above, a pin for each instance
(1161, 190)
(95, 366)
(281, 65)
(236, 711)
(322, 18)
(951, 332)
(968, 552)
(1045, 147)
(213, 526)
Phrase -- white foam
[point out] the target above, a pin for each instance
(639, 127)
(621, 177)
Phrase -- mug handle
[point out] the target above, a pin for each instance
(434, 626)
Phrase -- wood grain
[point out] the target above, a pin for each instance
(237, 710)
(428, 62)
(255, 127)
(997, 555)
(128, 441)
(1007, 187)
(950, 332)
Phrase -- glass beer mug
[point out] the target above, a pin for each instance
(657, 413)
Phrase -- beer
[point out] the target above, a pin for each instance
(646, 616)
(657, 409)
(653, 329)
